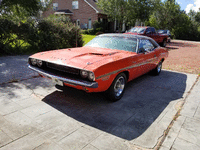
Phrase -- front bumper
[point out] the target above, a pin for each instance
(65, 79)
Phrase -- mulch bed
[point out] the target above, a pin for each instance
(184, 56)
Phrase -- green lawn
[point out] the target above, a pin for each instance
(87, 38)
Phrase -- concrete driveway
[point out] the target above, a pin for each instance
(36, 115)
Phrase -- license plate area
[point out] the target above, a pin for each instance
(57, 82)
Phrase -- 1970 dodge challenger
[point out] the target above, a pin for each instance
(106, 63)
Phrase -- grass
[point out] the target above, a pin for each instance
(87, 38)
(21, 47)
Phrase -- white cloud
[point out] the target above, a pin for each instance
(179, 2)
(194, 6)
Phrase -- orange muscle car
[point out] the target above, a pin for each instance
(106, 63)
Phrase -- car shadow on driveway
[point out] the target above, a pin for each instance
(144, 100)
(174, 45)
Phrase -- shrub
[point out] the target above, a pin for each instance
(98, 33)
(56, 35)
(29, 38)
(6, 31)
(100, 26)
(92, 31)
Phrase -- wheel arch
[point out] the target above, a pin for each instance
(162, 60)
(126, 73)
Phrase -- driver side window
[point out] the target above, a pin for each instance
(145, 45)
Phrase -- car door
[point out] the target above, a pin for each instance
(148, 32)
(154, 35)
(147, 55)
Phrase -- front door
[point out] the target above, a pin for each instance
(89, 23)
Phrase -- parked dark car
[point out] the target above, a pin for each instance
(166, 32)
(150, 32)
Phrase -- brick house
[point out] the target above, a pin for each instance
(82, 12)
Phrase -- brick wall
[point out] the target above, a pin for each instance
(83, 13)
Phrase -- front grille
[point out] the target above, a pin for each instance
(63, 68)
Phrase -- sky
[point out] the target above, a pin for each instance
(189, 4)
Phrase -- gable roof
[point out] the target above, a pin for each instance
(93, 4)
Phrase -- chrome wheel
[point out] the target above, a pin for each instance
(159, 67)
(119, 86)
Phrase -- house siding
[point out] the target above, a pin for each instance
(83, 13)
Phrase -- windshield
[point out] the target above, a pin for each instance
(114, 42)
(162, 31)
(137, 30)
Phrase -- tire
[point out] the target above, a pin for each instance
(158, 69)
(164, 43)
(117, 88)
(169, 40)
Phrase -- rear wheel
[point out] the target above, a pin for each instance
(164, 43)
(169, 40)
(116, 90)
(158, 69)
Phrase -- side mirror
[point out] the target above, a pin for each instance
(147, 50)
(144, 50)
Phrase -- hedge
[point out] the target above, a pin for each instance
(30, 37)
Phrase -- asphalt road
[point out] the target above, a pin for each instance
(14, 68)
(36, 115)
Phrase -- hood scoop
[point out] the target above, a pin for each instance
(100, 54)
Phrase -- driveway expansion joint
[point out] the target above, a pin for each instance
(18, 80)
(15, 140)
(159, 143)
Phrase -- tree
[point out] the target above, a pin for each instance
(140, 10)
(192, 15)
(127, 11)
(30, 6)
(22, 8)
(197, 17)
(114, 9)
(166, 14)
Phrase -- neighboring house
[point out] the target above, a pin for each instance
(82, 12)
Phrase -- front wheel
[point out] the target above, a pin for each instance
(116, 90)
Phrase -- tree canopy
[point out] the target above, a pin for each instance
(30, 6)
(127, 11)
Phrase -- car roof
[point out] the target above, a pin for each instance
(125, 35)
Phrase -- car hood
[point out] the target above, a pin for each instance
(82, 57)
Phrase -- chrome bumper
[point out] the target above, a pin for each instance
(65, 80)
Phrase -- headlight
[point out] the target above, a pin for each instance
(33, 61)
(84, 74)
(91, 76)
(39, 63)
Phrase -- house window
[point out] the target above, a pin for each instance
(78, 22)
(74, 4)
(55, 6)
